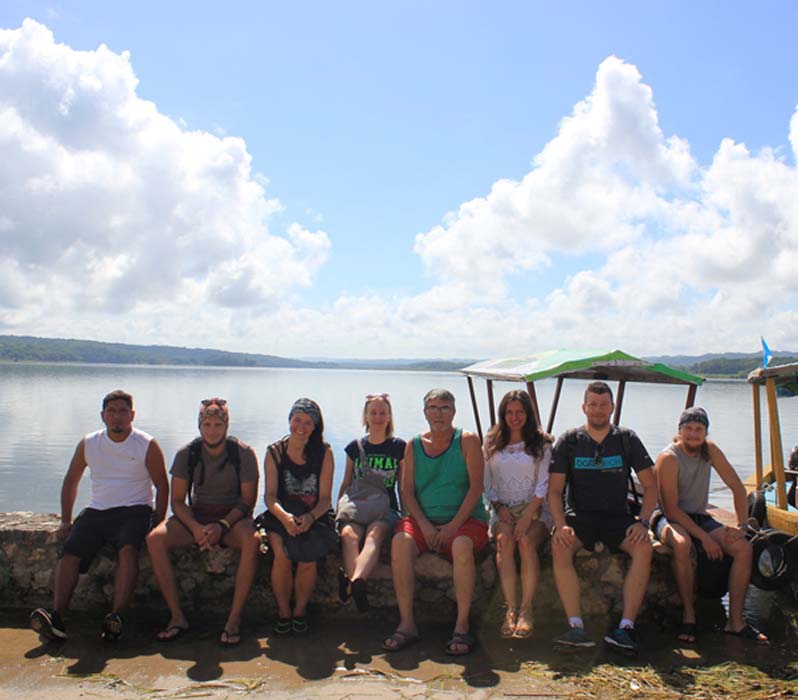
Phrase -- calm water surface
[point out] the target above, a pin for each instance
(46, 409)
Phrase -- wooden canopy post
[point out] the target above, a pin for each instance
(760, 475)
(530, 389)
(691, 392)
(554, 403)
(491, 406)
(776, 454)
(474, 406)
(616, 419)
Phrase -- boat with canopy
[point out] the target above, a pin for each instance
(591, 365)
(770, 485)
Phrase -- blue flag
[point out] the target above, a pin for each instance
(766, 353)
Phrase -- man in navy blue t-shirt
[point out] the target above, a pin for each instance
(594, 461)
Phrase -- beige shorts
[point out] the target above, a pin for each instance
(516, 512)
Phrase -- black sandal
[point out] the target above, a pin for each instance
(688, 633)
(343, 587)
(360, 592)
(299, 625)
(282, 628)
(112, 627)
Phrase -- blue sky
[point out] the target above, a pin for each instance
(377, 133)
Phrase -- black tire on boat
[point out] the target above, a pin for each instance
(757, 508)
(774, 562)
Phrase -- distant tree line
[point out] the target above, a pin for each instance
(736, 367)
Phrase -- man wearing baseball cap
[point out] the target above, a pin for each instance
(683, 471)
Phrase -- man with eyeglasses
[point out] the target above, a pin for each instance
(218, 474)
(441, 486)
(595, 462)
(125, 463)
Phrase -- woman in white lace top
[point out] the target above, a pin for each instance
(517, 456)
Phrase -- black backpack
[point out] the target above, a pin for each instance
(626, 454)
(233, 456)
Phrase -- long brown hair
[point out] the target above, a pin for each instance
(498, 437)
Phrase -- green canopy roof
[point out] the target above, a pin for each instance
(613, 365)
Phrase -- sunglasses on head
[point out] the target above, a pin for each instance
(598, 455)
(385, 397)
(215, 400)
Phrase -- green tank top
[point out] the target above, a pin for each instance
(442, 482)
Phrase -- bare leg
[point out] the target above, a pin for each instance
(304, 583)
(636, 581)
(739, 576)
(464, 576)
(403, 558)
(166, 536)
(127, 572)
(282, 576)
(351, 534)
(370, 554)
(530, 562)
(681, 544)
(243, 538)
(67, 572)
(505, 562)
(565, 577)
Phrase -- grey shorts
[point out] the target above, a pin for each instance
(391, 518)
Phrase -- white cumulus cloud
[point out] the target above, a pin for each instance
(108, 206)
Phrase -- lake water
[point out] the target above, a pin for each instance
(46, 409)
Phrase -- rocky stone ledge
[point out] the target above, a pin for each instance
(29, 550)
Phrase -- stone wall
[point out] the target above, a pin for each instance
(29, 550)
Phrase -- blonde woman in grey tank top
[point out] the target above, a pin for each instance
(683, 470)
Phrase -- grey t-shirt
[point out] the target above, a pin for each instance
(219, 486)
(693, 480)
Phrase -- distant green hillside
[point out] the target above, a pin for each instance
(30, 349)
(736, 367)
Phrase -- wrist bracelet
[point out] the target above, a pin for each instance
(225, 525)
(645, 523)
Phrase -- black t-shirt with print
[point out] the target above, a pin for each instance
(384, 457)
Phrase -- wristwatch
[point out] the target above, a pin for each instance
(645, 522)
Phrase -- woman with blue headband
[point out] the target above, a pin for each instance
(299, 522)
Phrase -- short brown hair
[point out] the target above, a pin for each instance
(598, 388)
(118, 395)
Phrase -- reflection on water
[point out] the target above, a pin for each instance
(45, 409)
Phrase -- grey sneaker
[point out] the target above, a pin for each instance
(48, 624)
(622, 638)
(575, 637)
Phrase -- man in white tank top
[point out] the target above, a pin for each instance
(124, 464)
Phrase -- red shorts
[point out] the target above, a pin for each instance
(475, 530)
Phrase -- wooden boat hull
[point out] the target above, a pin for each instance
(784, 520)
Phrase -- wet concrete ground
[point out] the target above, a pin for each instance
(343, 659)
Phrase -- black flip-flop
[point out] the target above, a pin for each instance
(688, 633)
(229, 639)
(402, 640)
(180, 630)
(463, 639)
(747, 631)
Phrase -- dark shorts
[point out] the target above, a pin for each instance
(204, 514)
(609, 529)
(475, 530)
(706, 522)
(119, 527)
